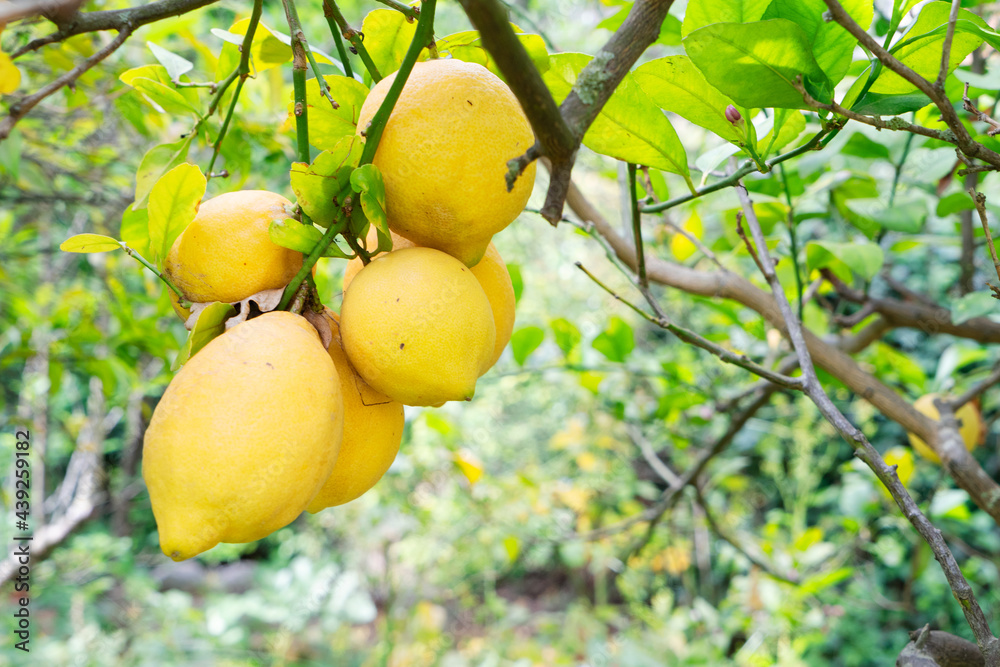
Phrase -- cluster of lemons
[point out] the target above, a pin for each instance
(265, 421)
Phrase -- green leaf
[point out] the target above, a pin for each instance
(756, 64)
(173, 203)
(87, 243)
(155, 163)
(524, 341)
(630, 127)
(790, 123)
(818, 582)
(387, 37)
(320, 188)
(832, 45)
(211, 324)
(953, 203)
(860, 145)
(616, 342)
(295, 235)
(270, 47)
(366, 180)
(872, 214)
(175, 65)
(468, 46)
(566, 333)
(972, 305)
(700, 13)
(921, 49)
(328, 126)
(675, 84)
(864, 258)
(135, 229)
(516, 281)
(154, 81)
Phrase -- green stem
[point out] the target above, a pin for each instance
(299, 67)
(423, 36)
(310, 260)
(142, 260)
(330, 9)
(338, 39)
(243, 71)
(295, 29)
(411, 13)
(793, 237)
(637, 226)
(747, 168)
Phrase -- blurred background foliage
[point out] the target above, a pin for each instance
(477, 547)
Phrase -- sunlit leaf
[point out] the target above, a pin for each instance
(676, 85)
(700, 13)
(321, 187)
(87, 243)
(864, 258)
(366, 180)
(155, 163)
(211, 324)
(524, 341)
(328, 126)
(617, 341)
(566, 333)
(173, 203)
(176, 66)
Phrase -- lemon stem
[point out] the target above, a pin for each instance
(299, 67)
(159, 274)
(338, 39)
(355, 37)
(242, 71)
(423, 36)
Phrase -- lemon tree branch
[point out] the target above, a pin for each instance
(334, 15)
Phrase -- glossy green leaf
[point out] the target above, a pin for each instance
(211, 324)
(832, 45)
(676, 85)
(860, 145)
(468, 46)
(524, 341)
(176, 66)
(88, 243)
(328, 126)
(616, 342)
(920, 50)
(366, 180)
(953, 203)
(387, 37)
(864, 258)
(321, 187)
(630, 127)
(873, 214)
(757, 64)
(173, 203)
(566, 333)
(700, 13)
(295, 235)
(790, 123)
(155, 163)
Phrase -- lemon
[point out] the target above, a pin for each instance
(226, 254)
(373, 429)
(417, 326)
(493, 277)
(244, 436)
(970, 426)
(443, 156)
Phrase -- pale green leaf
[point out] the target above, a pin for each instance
(757, 64)
(864, 258)
(524, 341)
(700, 13)
(176, 66)
(616, 342)
(320, 188)
(327, 126)
(155, 163)
(676, 85)
(173, 203)
(292, 234)
(87, 243)
(211, 324)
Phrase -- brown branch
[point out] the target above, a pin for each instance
(55, 10)
(20, 108)
(949, 36)
(966, 471)
(930, 648)
(980, 200)
(559, 132)
(964, 141)
(976, 389)
(980, 116)
(962, 591)
(114, 19)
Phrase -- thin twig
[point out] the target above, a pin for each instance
(988, 644)
(640, 253)
(980, 116)
(980, 201)
(949, 36)
(355, 37)
(19, 109)
(976, 389)
(411, 13)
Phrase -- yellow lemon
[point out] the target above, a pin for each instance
(493, 277)
(417, 326)
(970, 426)
(226, 253)
(373, 429)
(444, 153)
(244, 436)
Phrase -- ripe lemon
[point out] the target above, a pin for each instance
(970, 426)
(418, 327)
(244, 436)
(443, 156)
(373, 429)
(226, 254)
(493, 277)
